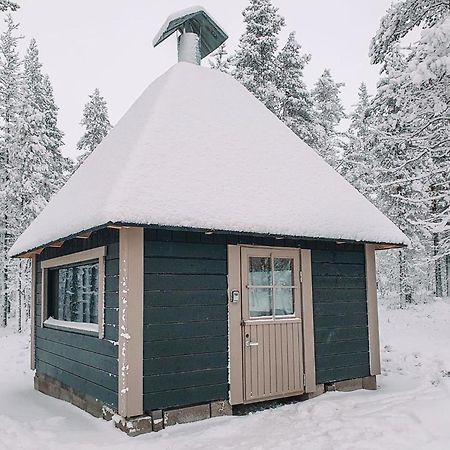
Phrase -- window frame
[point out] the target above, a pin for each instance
(94, 254)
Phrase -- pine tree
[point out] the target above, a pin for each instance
(7, 5)
(357, 159)
(96, 122)
(295, 106)
(10, 101)
(329, 113)
(255, 59)
(220, 60)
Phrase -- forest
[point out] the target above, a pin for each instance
(393, 146)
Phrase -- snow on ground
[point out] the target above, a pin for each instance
(411, 409)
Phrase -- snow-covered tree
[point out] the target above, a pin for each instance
(255, 59)
(96, 122)
(329, 113)
(295, 106)
(400, 19)
(220, 60)
(7, 5)
(357, 158)
(10, 103)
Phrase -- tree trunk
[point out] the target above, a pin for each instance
(405, 287)
(437, 267)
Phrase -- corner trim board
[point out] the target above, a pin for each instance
(308, 321)
(33, 313)
(131, 312)
(372, 310)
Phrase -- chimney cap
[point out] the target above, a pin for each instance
(197, 20)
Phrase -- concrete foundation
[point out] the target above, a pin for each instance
(158, 419)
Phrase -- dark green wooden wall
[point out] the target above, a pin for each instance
(185, 319)
(340, 314)
(85, 363)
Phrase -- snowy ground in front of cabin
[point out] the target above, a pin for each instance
(411, 409)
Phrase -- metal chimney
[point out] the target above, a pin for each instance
(199, 34)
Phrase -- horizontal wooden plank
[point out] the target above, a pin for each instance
(79, 341)
(112, 267)
(185, 266)
(186, 313)
(185, 250)
(338, 282)
(156, 332)
(342, 347)
(339, 295)
(336, 256)
(167, 382)
(113, 250)
(357, 320)
(111, 316)
(342, 360)
(97, 376)
(339, 309)
(189, 282)
(185, 396)
(111, 299)
(185, 297)
(189, 346)
(112, 284)
(184, 363)
(77, 383)
(102, 362)
(343, 373)
(338, 270)
(111, 333)
(323, 335)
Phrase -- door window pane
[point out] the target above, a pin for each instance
(260, 302)
(284, 301)
(283, 273)
(260, 271)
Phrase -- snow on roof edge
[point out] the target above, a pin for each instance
(17, 253)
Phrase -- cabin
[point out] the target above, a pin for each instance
(202, 258)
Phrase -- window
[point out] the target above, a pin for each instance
(73, 291)
(271, 285)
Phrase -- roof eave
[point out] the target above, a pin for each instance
(84, 234)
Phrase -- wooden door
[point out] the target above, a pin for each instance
(272, 333)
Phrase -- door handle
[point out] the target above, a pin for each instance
(251, 344)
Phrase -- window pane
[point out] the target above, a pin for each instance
(284, 301)
(283, 274)
(75, 293)
(260, 271)
(260, 302)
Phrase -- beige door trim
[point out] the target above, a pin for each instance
(308, 321)
(234, 326)
(131, 318)
(372, 310)
(33, 313)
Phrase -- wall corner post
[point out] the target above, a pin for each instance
(372, 310)
(131, 318)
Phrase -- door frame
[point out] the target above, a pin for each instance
(235, 317)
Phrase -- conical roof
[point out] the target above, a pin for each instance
(198, 150)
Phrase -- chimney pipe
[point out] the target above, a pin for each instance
(189, 48)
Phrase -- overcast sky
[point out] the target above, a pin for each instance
(86, 44)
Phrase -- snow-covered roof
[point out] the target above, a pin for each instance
(197, 150)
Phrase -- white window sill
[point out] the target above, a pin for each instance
(75, 327)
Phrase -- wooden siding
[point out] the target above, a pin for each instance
(185, 321)
(340, 314)
(85, 363)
